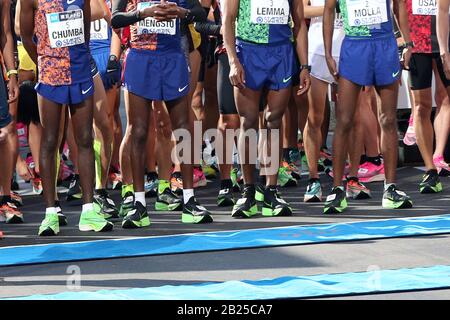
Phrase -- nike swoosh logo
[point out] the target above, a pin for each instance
(287, 79)
(395, 74)
(70, 1)
(182, 89)
(86, 91)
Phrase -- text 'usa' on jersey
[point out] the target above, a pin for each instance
(366, 18)
(63, 55)
(264, 21)
(149, 34)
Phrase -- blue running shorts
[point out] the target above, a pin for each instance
(68, 95)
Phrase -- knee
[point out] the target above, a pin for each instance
(345, 124)
(85, 139)
(138, 134)
(49, 143)
(388, 121)
(423, 110)
(249, 122)
(315, 121)
(228, 124)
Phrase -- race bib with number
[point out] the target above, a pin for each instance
(99, 30)
(424, 7)
(150, 25)
(366, 12)
(65, 29)
(270, 11)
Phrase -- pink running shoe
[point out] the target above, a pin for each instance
(369, 172)
(199, 178)
(410, 135)
(442, 166)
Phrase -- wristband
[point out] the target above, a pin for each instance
(305, 66)
(11, 72)
(409, 44)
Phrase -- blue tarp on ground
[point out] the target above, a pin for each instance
(426, 278)
(225, 240)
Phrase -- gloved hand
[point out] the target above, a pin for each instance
(112, 72)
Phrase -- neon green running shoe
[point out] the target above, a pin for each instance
(430, 182)
(136, 218)
(259, 193)
(274, 205)
(336, 202)
(168, 201)
(285, 179)
(94, 221)
(194, 213)
(393, 198)
(246, 206)
(236, 179)
(127, 204)
(49, 226)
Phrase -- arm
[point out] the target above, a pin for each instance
(328, 29)
(27, 28)
(97, 10)
(7, 47)
(87, 21)
(195, 13)
(311, 11)
(301, 44)
(17, 19)
(121, 18)
(237, 74)
(401, 13)
(208, 28)
(442, 25)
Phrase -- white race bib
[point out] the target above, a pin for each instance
(366, 12)
(99, 30)
(424, 7)
(150, 25)
(65, 29)
(270, 11)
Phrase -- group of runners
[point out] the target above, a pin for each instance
(259, 72)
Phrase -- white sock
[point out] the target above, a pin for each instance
(187, 194)
(87, 207)
(140, 197)
(51, 210)
(387, 185)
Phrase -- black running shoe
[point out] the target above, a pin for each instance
(194, 213)
(274, 205)
(136, 217)
(430, 182)
(336, 202)
(74, 192)
(225, 198)
(105, 205)
(246, 206)
(127, 204)
(168, 201)
(393, 198)
(62, 219)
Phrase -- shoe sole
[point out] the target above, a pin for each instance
(281, 212)
(161, 206)
(129, 224)
(387, 204)
(245, 214)
(226, 203)
(333, 210)
(358, 195)
(312, 199)
(376, 178)
(14, 220)
(87, 227)
(430, 190)
(190, 219)
(48, 233)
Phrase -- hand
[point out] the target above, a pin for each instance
(24, 171)
(305, 82)
(164, 11)
(446, 63)
(13, 89)
(237, 75)
(406, 58)
(331, 63)
(112, 72)
(3, 134)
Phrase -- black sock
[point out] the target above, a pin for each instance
(311, 180)
(262, 180)
(363, 159)
(226, 184)
(249, 188)
(432, 171)
(101, 192)
(286, 154)
(375, 160)
(152, 175)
